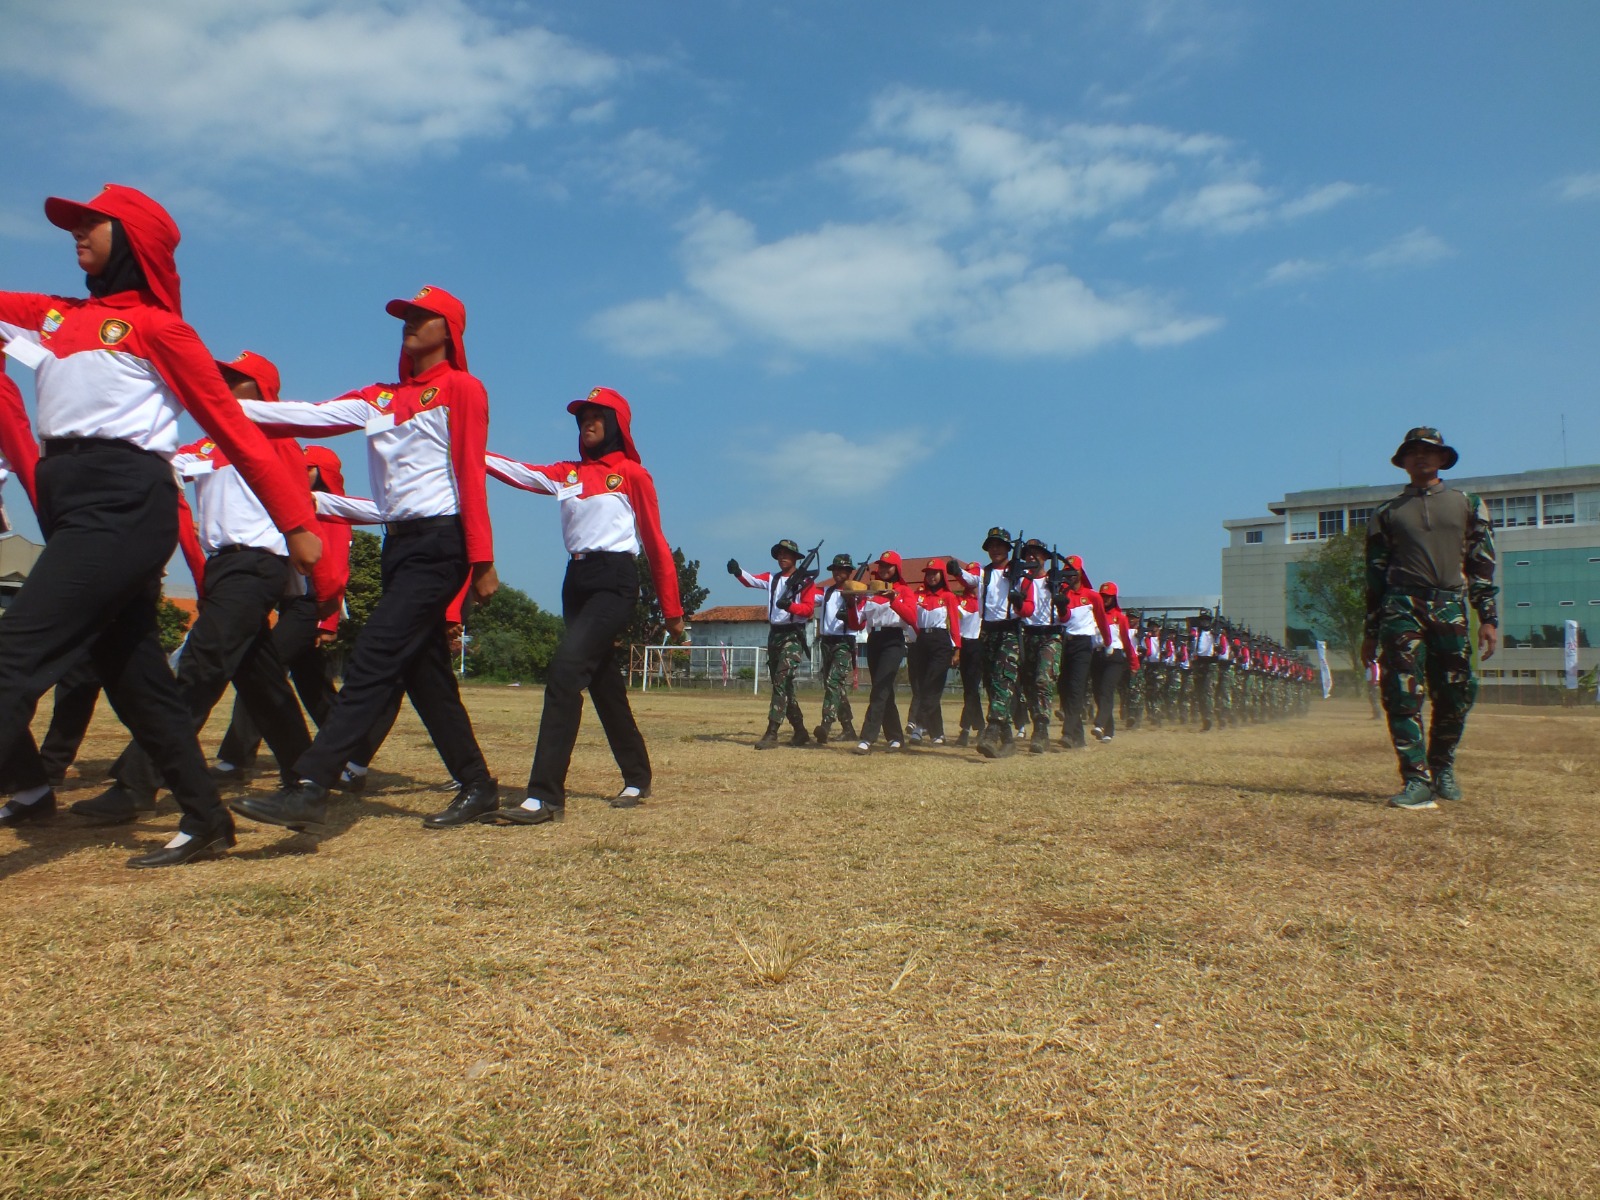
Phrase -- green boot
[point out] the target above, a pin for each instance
(1415, 794)
(1445, 786)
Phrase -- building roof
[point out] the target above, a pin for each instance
(731, 613)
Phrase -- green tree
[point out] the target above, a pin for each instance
(362, 592)
(648, 626)
(512, 637)
(172, 623)
(1331, 591)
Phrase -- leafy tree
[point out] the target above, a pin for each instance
(648, 626)
(172, 623)
(365, 586)
(512, 637)
(1331, 591)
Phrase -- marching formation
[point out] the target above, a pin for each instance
(1032, 638)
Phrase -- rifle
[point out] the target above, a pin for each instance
(803, 577)
(1015, 569)
(857, 582)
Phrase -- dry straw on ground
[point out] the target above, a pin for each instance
(1175, 966)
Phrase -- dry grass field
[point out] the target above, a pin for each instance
(1174, 966)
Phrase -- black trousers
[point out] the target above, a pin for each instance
(294, 638)
(972, 683)
(109, 513)
(31, 765)
(1077, 656)
(231, 641)
(403, 646)
(597, 599)
(886, 650)
(1109, 670)
(928, 663)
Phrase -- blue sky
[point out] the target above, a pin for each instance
(880, 274)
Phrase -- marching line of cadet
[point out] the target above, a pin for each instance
(1032, 639)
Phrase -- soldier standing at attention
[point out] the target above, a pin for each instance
(1430, 552)
(838, 652)
(790, 603)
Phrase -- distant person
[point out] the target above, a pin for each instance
(1430, 553)
(838, 643)
(791, 599)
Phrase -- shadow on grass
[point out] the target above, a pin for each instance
(1348, 795)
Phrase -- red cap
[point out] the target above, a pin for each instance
(890, 557)
(934, 564)
(327, 462)
(257, 369)
(441, 304)
(604, 397)
(1108, 588)
(151, 232)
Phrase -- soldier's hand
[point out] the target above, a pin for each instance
(305, 548)
(1369, 650)
(733, 567)
(952, 568)
(1488, 640)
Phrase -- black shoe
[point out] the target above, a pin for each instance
(819, 735)
(769, 739)
(518, 815)
(964, 740)
(114, 806)
(801, 737)
(210, 845)
(470, 804)
(351, 785)
(14, 814)
(294, 808)
(230, 774)
(630, 797)
(847, 732)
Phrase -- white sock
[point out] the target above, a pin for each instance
(30, 796)
(354, 770)
(532, 804)
(224, 765)
(182, 839)
(630, 792)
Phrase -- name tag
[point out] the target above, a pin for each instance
(29, 354)
(192, 470)
(569, 491)
(380, 424)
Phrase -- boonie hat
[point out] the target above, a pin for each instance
(996, 534)
(842, 562)
(785, 546)
(1426, 435)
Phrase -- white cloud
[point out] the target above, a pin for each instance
(322, 84)
(1221, 208)
(644, 164)
(671, 325)
(1415, 249)
(1293, 270)
(1321, 199)
(1585, 186)
(1050, 312)
(831, 463)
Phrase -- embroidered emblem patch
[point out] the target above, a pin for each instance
(112, 332)
(385, 399)
(422, 293)
(595, 392)
(427, 397)
(572, 477)
(52, 322)
(207, 448)
(613, 482)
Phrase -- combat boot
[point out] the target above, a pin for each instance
(769, 739)
(1415, 795)
(820, 733)
(801, 737)
(1445, 785)
(847, 731)
(965, 739)
(1041, 738)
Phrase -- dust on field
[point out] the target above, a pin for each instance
(1175, 965)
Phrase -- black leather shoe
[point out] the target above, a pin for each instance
(350, 785)
(624, 799)
(294, 808)
(15, 814)
(114, 806)
(228, 774)
(470, 804)
(518, 815)
(194, 850)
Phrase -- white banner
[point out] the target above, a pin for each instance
(1569, 655)
(1327, 675)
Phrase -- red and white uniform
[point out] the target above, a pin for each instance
(971, 616)
(939, 611)
(19, 453)
(995, 590)
(1038, 608)
(893, 609)
(833, 613)
(1121, 637)
(1083, 613)
(333, 575)
(801, 606)
(1150, 647)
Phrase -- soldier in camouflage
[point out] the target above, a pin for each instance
(1430, 553)
(791, 600)
(838, 644)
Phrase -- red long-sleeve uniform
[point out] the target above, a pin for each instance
(19, 453)
(939, 610)
(1122, 636)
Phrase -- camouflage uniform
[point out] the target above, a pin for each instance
(1002, 652)
(838, 660)
(786, 647)
(1423, 632)
(1040, 667)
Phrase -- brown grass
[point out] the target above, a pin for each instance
(1175, 966)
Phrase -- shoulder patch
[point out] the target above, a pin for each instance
(427, 397)
(613, 482)
(113, 331)
(384, 399)
(52, 322)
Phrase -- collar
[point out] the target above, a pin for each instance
(130, 299)
(433, 372)
(1432, 490)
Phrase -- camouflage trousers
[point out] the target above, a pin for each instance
(1203, 684)
(1130, 699)
(838, 662)
(1001, 653)
(1039, 669)
(1154, 682)
(1222, 692)
(786, 647)
(1179, 693)
(1425, 648)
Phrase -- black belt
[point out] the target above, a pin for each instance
(420, 525)
(1041, 630)
(580, 555)
(221, 550)
(1001, 625)
(56, 446)
(1422, 593)
(836, 639)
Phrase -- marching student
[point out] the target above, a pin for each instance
(1041, 643)
(887, 615)
(1001, 647)
(426, 437)
(241, 570)
(970, 657)
(838, 652)
(1083, 618)
(114, 373)
(609, 514)
(1112, 663)
(928, 658)
(1154, 673)
(791, 599)
(1203, 653)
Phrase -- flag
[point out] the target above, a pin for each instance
(1327, 675)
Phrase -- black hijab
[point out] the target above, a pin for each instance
(122, 271)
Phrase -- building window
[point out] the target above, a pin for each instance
(1302, 527)
(1330, 522)
(1511, 512)
(1253, 537)
(1558, 508)
(1359, 518)
(1588, 507)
